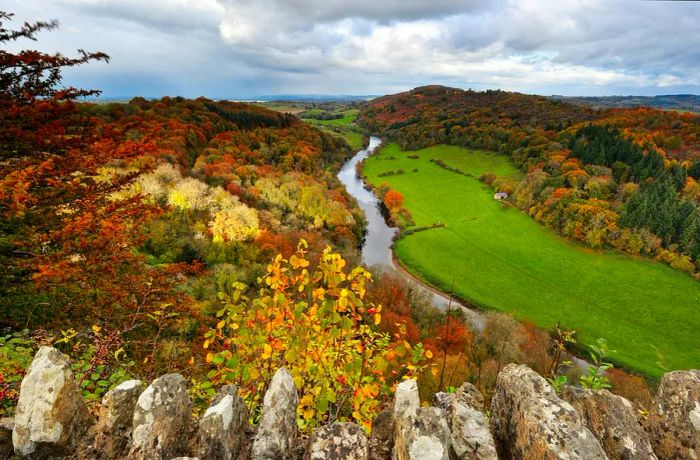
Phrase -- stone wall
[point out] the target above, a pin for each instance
(528, 420)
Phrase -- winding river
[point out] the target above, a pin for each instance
(377, 246)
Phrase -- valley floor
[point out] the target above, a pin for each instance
(502, 259)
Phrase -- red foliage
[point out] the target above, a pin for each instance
(392, 322)
(452, 337)
(393, 200)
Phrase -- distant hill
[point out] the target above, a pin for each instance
(520, 125)
(311, 97)
(514, 123)
(680, 102)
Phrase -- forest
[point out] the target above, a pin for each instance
(214, 239)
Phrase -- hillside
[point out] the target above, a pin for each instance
(215, 240)
(182, 274)
(522, 126)
(623, 178)
(494, 120)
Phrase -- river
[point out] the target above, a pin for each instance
(377, 246)
(379, 239)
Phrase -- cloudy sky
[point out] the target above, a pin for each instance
(248, 48)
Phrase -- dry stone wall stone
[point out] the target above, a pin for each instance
(529, 421)
(51, 416)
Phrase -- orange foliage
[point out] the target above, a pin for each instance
(393, 200)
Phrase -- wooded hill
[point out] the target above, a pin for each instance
(625, 178)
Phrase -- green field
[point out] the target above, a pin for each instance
(282, 107)
(342, 127)
(502, 259)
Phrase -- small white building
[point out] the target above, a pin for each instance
(500, 196)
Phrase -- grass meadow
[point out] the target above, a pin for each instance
(504, 260)
(342, 127)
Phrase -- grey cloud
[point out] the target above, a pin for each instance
(166, 15)
(221, 47)
(377, 10)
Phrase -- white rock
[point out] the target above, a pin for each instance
(222, 428)
(419, 433)
(278, 427)
(528, 420)
(113, 430)
(470, 433)
(51, 415)
(339, 441)
(162, 419)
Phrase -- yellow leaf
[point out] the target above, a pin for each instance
(377, 318)
(434, 371)
(235, 326)
(209, 357)
(96, 329)
(206, 344)
(298, 262)
(267, 351)
(428, 354)
(221, 324)
(298, 381)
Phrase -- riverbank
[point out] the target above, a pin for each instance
(380, 238)
(377, 249)
(474, 315)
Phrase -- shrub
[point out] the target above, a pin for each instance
(315, 323)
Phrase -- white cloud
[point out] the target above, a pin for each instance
(232, 47)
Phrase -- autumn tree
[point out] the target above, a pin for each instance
(68, 248)
(393, 200)
(36, 113)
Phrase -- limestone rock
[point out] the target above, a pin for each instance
(420, 433)
(162, 419)
(443, 400)
(528, 420)
(381, 441)
(51, 415)
(674, 425)
(222, 392)
(340, 441)
(278, 427)
(222, 428)
(113, 429)
(613, 421)
(406, 399)
(6, 426)
(424, 436)
(470, 434)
